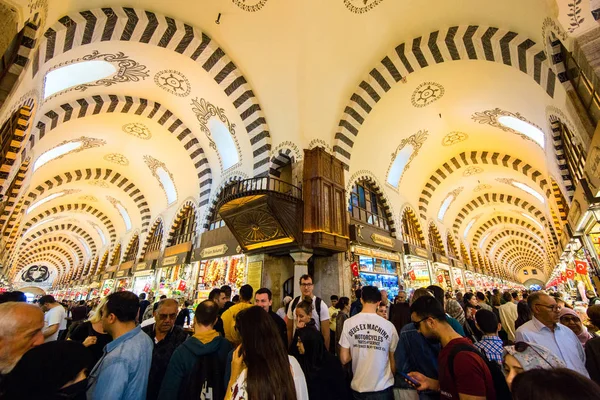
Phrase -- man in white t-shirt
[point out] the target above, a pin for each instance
(55, 318)
(320, 312)
(369, 341)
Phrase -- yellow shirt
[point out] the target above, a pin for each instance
(228, 318)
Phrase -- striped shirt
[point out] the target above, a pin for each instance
(491, 346)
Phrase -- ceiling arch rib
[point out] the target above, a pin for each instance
(504, 219)
(66, 227)
(487, 229)
(135, 25)
(74, 246)
(99, 104)
(57, 259)
(46, 250)
(504, 244)
(465, 159)
(511, 234)
(520, 250)
(450, 44)
(515, 256)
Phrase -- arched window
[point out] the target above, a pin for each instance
(76, 74)
(435, 240)
(452, 251)
(185, 226)
(366, 205)
(474, 260)
(570, 155)
(464, 254)
(103, 263)
(155, 237)
(134, 246)
(116, 256)
(411, 229)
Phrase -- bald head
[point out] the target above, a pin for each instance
(21, 327)
(167, 303)
(165, 315)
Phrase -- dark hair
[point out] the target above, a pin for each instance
(164, 296)
(47, 299)
(306, 305)
(334, 297)
(266, 291)
(81, 302)
(124, 305)
(480, 296)
(187, 303)
(508, 297)
(268, 375)
(428, 306)
(437, 292)
(515, 295)
(487, 321)
(235, 299)
(315, 355)
(342, 302)
(555, 384)
(523, 313)
(15, 296)
(214, 294)
(593, 312)
(370, 294)
(142, 296)
(227, 290)
(496, 292)
(466, 298)
(306, 277)
(206, 313)
(246, 292)
(358, 293)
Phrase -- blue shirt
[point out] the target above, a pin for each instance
(122, 372)
(563, 343)
(491, 346)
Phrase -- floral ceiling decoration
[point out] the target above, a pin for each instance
(490, 117)
(416, 141)
(481, 187)
(454, 138)
(128, 70)
(173, 82)
(361, 6)
(426, 93)
(155, 166)
(472, 170)
(204, 111)
(88, 197)
(250, 5)
(99, 183)
(138, 130)
(117, 158)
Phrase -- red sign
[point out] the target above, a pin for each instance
(354, 267)
(106, 291)
(581, 267)
(458, 281)
(181, 285)
(412, 275)
(146, 287)
(563, 277)
(440, 278)
(570, 274)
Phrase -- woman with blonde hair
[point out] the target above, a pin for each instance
(91, 334)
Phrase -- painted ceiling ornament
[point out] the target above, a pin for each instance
(481, 187)
(361, 6)
(173, 82)
(426, 93)
(490, 117)
(472, 170)
(575, 18)
(454, 138)
(508, 181)
(138, 130)
(117, 158)
(86, 143)
(35, 273)
(416, 141)
(88, 197)
(250, 5)
(204, 111)
(154, 164)
(99, 183)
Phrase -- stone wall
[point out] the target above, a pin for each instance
(276, 270)
(332, 276)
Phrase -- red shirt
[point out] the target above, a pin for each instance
(471, 374)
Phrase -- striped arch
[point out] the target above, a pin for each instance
(58, 227)
(512, 234)
(515, 255)
(101, 104)
(48, 249)
(449, 44)
(464, 254)
(513, 243)
(104, 174)
(182, 210)
(435, 239)
(11, 193)
(82, 207)
(155, 225)
(509, 239)
(410, 217)
(500, 220)
(53, 259)
(134, 237)
(212, 208)
(453, 251)
(141, 26)
(561, 202)
(115, 255)
(478, 158)
(101, 264)
(377, 188)
(90, 267)
(286, 153)
(62, 240)
(490, 198)
(21, 128)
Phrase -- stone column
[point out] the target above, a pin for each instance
(300, 268)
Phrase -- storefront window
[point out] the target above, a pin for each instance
(417, 273)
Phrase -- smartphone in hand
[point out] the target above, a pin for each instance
(410, 380)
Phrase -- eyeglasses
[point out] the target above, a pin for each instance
(553, 307)
(306, 284)
(522, 346)
(418, 323)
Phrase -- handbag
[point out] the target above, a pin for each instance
(405, 394)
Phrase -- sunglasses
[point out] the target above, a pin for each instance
(522, 346)
(418, 323)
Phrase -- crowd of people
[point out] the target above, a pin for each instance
(429, 345)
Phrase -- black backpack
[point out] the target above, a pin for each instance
(500, 386)
(205, 381)
(317, 305)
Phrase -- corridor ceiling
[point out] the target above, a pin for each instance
(196, 82)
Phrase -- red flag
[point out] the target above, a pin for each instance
(570, 274)
(412, 275)
(181, 285)
(354, 267)
(146, 288)
(581, 267)
(458, 282)
(563, 277)
(440, 278)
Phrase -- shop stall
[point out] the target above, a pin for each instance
(441, 271)
(123, 277)
(470, 281)
(143, 277)
(176, 276)
(108, 283)
(417, 268)
(458, 277)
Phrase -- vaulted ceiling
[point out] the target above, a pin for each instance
(362, 78)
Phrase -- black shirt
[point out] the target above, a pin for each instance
(82, 331)
(183, 315)
(281, 327)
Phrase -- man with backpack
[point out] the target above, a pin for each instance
(197, 367)
(320, 312)
(464, 373)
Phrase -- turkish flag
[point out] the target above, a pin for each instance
(581, 267)
(440, 278)
(458, 282)
(412, 275)
(570, 274)
(563, 277)
(354, 267)
(146, 288)
(181, 285)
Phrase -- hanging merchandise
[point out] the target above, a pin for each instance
(412, 275)
(570, 274)
(354, 268)
(581, 267)
(181, 285)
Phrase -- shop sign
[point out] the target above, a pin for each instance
(144, 266)
(384, 255)
(457, 263)
(107, 275)
(169, 261)
(416, 251)
(382, 240)
(121, 274)
(214, 251)
(441, 259)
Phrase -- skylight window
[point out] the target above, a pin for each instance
(483, 240)
(55, 153)
(529, 190)
(125, 215)
(445, 206)
(44, 200)
(76, 74)
(523, 127)
(398, 165)
(84, 244)
(45, 221)
(224, 142)
(100, 233)
(167, 184)
(468, 228)
(529, 217)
